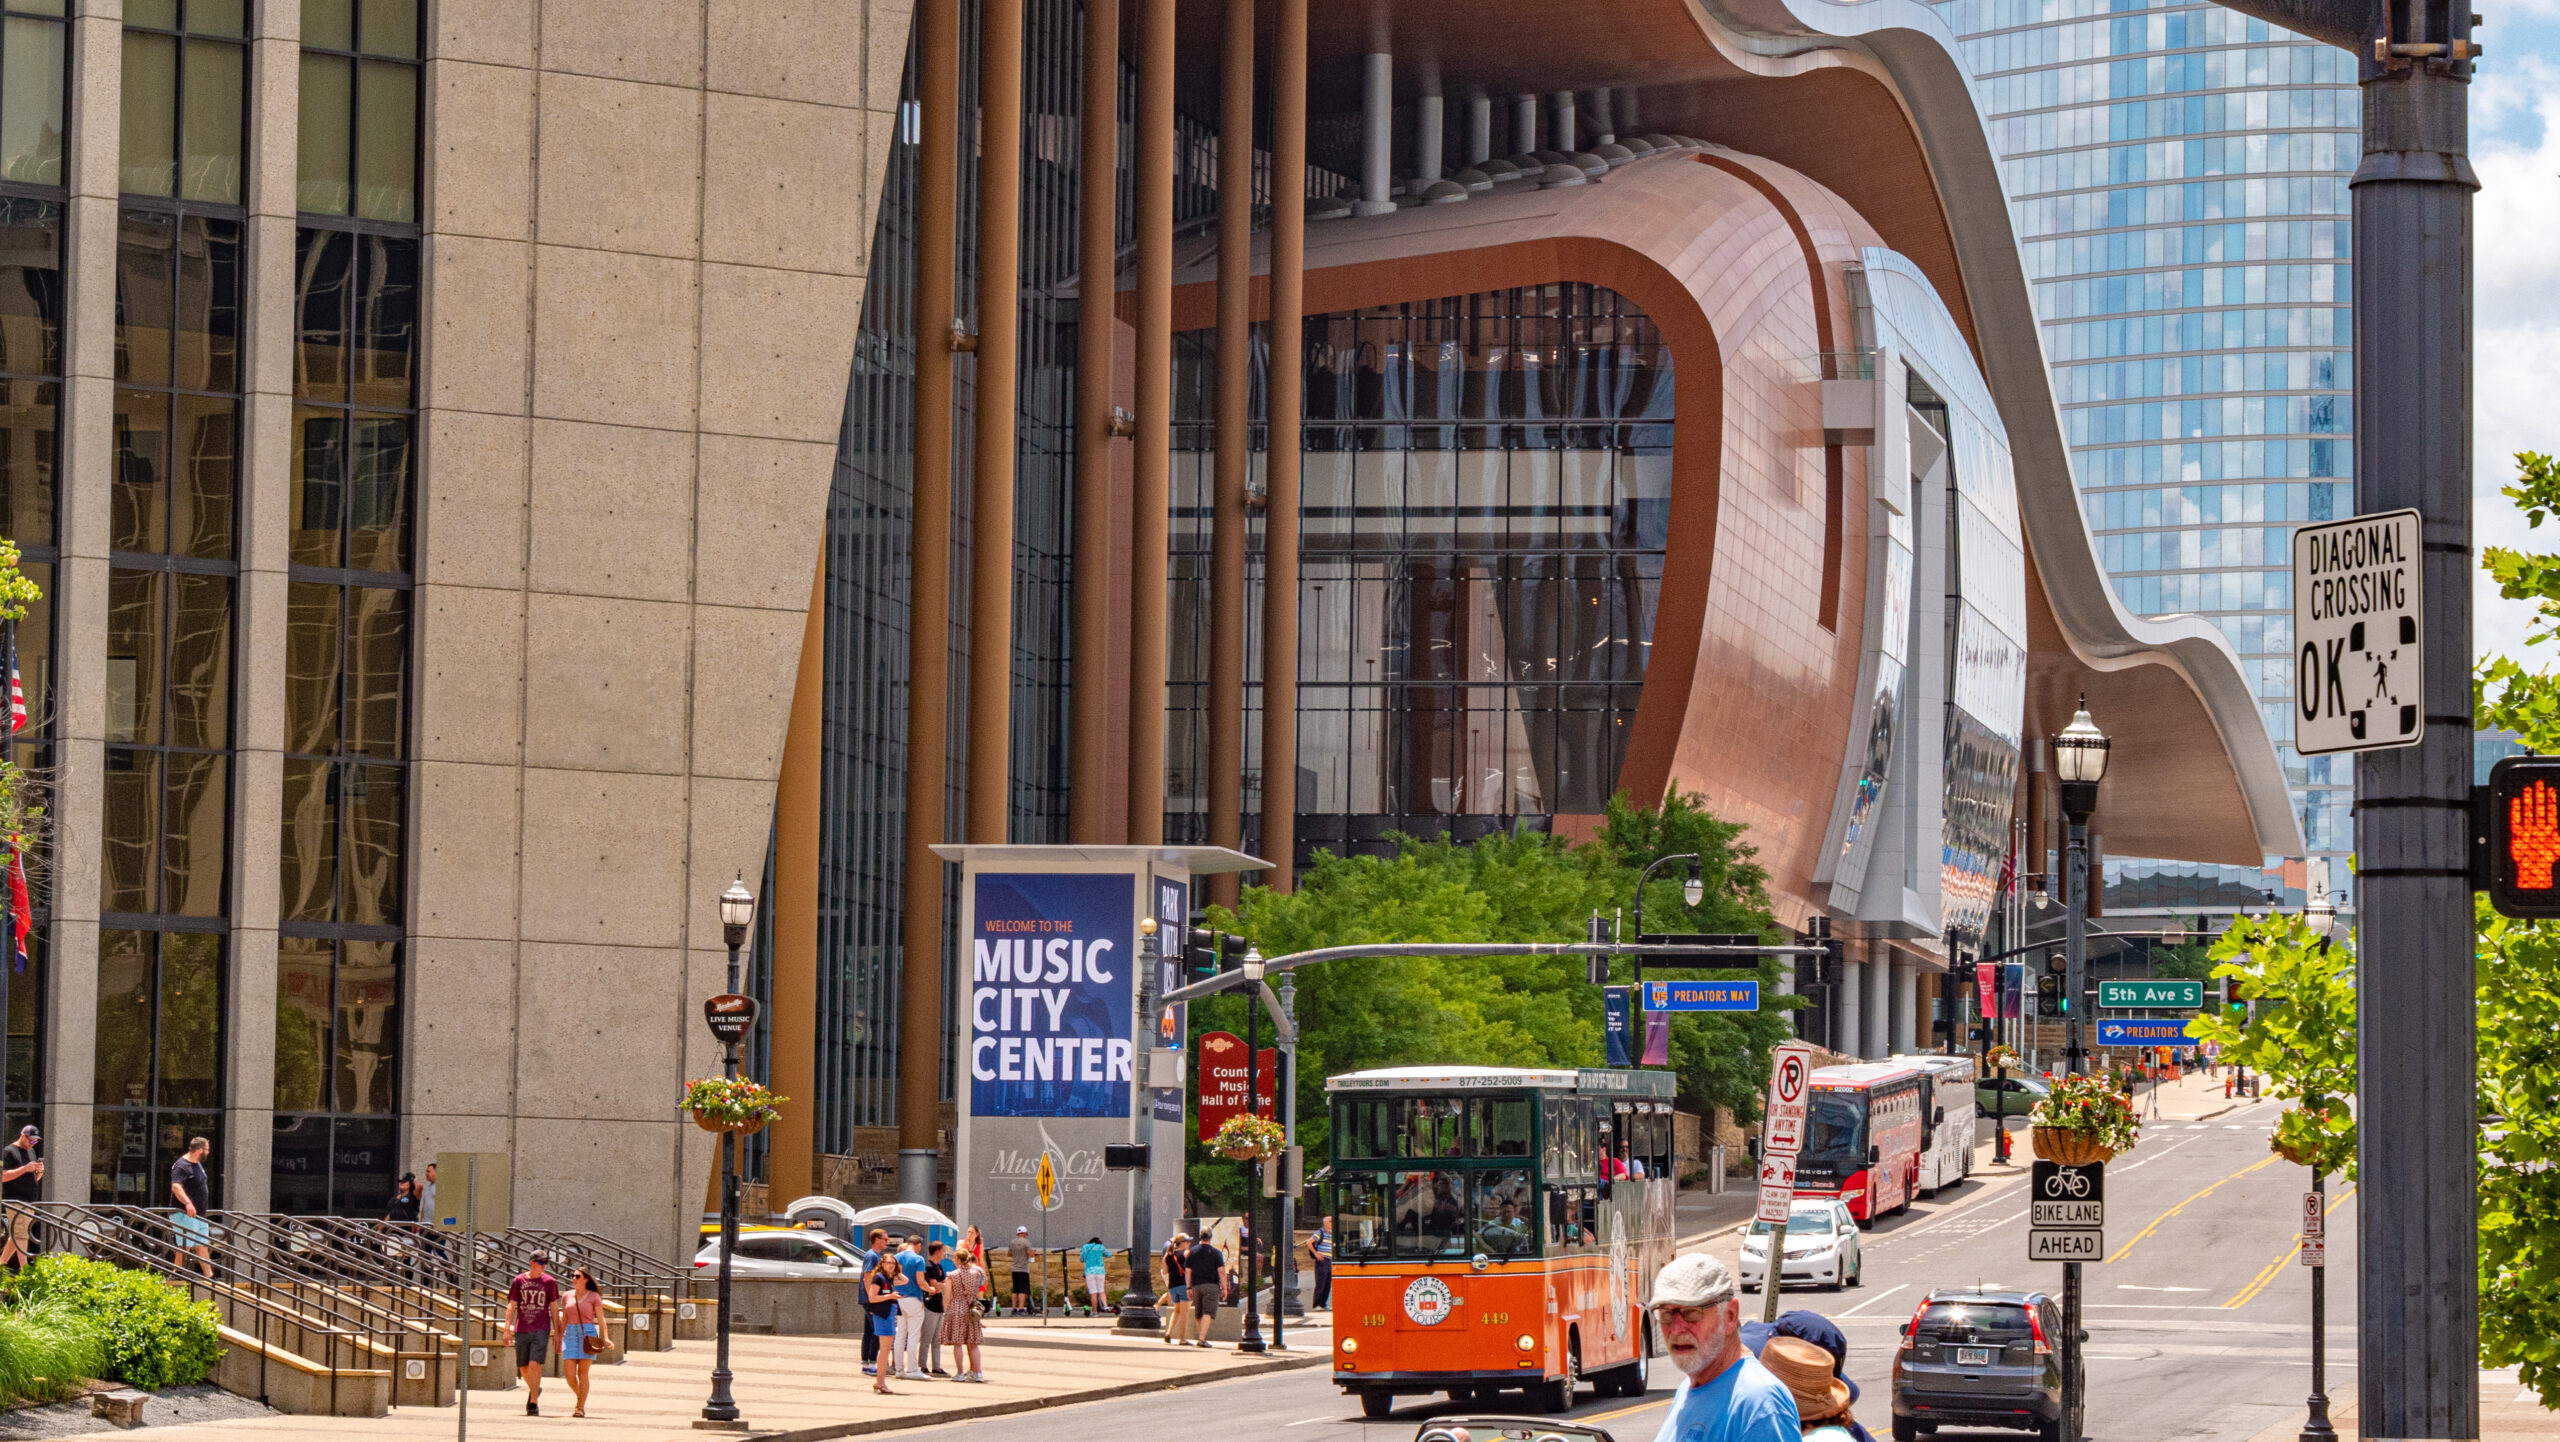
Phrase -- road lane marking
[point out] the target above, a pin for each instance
(1878, 1297)
(2182, 1206)
(2131, 1287)
(1308, 1421)
(2267, 1275)
(1627, 1411)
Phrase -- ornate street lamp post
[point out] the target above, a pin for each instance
(2080, 761)
(737, 915)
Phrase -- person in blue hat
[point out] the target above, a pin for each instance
(1822, 1332)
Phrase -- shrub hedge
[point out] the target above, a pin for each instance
(151, 1334)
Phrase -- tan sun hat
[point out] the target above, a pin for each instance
(1806, 1369)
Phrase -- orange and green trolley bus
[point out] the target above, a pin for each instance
(1497, 1228)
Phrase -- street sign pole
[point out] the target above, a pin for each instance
(1781, 1138)
(2315, 1241)
(2066, 1222)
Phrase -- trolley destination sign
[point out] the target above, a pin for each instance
(2169, 993)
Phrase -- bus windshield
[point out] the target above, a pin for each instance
(1418, 1215)
(1835, 1129)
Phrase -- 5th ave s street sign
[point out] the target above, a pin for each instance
(2172, 993)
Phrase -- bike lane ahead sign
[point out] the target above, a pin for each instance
(2067, 1213)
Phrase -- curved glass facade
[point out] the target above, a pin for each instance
(1485, 498)
(2178, 178)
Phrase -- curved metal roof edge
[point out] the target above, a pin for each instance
(1920, 53)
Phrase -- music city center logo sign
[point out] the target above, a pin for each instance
(1016, 1171)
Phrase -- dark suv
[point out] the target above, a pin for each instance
(1980, 1359)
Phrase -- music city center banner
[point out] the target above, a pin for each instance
(1052, 980)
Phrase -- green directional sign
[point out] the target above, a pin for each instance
(2170, 992)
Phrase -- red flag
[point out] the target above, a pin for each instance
(19, 910)
(17, 693)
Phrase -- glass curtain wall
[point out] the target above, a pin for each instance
(339, 984)
(33, 80)
(2178, 175)
(164, 875)
(1484, 506)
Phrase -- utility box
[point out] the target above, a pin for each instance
(472, 1192)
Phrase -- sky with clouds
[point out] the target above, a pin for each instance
(2515, 146)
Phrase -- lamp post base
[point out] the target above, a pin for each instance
(1138, 1314)
(732, 1424)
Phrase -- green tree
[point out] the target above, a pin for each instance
(2302, 1035)
(1527, 1011)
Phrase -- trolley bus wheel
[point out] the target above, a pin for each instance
(1374, 1405)
(1557, 1396)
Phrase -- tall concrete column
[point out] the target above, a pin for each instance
(1235, 436)
(1089, 809)
(1152, 477)
(83, 516)
(1280, 471)
(1877, 1039)
(992, 414)
(1524, 124)
(1906, 1000)
(791, 1145)
(1377, 134)
(1849, 1007)
(266, 476)
(929, 601)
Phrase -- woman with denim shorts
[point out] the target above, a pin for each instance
(581, 1334)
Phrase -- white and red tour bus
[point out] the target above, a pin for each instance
(1866, 1128)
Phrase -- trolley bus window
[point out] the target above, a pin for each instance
(1430, 1214)
(1365, 1129)
(1360, 1220)
(1506, 1219)
(1433, 1127)
(1835, 1129)
(1500, 1125)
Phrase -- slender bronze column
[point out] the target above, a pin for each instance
(1235, 356)
(999, 328)
(1097, 283)
(792, 1145)
(929, 601)
(1280, 515)
(1152, 479)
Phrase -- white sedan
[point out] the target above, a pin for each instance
(1822, 1247)
(786, 1254)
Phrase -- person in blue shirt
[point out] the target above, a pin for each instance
(907, 1357)
(1095, 1257)
(1725, 1394)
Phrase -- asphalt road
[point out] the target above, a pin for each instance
(2199, 1319)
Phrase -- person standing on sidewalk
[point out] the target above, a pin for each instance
(1177, 1290)
(531, 1298)
(1320, 1251)
(873, 1248)
(937, 1276)
(907, 1351)
(880, 1306)
(1021, 1257)
(962, 1330)
(21, 1186)
(1207, 1268)
(1096, 1257)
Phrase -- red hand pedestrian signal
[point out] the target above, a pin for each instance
(2520, 834)
(2533, 835)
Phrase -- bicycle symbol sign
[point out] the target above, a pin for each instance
(2068, 1182)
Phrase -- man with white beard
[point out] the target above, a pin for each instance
(1725, 1394)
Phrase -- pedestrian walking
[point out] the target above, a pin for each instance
(1096, 1257)
(962, 1329)
(582, 1337)
(1021, 1257)
(531, 1299)
(880, 1304)
(1206, 1267)
(1725, 1394)
(937, 1276)
(21, 1186)
(1822, 1400)
(1320, 1251)
(192, 1190)
(873, 1248)
(1177, 1290)
(907, 1347)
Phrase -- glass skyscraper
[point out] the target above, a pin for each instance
(2178, 177)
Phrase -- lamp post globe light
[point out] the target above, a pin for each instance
(737, 917)
(1692, 890)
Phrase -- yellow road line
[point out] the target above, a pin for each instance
(2182, 1206)
(1624, 1411)
(2267, 1275)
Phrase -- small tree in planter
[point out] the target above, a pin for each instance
(1248, 1138)
(731, 1104)
(2085, 1120)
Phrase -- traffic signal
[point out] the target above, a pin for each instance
(1199, 953)
(2048, 995)
(1603, 932)
(2231, 1001)
(2523, 834)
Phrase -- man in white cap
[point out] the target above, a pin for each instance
(1725, 1394)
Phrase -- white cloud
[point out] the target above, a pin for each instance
(2516, 314)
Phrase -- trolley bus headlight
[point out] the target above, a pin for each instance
(1350, 1345)
(1526, 1343)
(1480, 1261)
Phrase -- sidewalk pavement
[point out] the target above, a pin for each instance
(2508, 1412)
(799, 1389)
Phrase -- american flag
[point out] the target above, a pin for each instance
(17, 692)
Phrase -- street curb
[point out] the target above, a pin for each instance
(1034, 1404)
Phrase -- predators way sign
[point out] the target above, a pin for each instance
(2358, 635)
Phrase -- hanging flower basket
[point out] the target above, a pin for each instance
(2084, 1121)
(731, 1104)
(1247, 1138)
